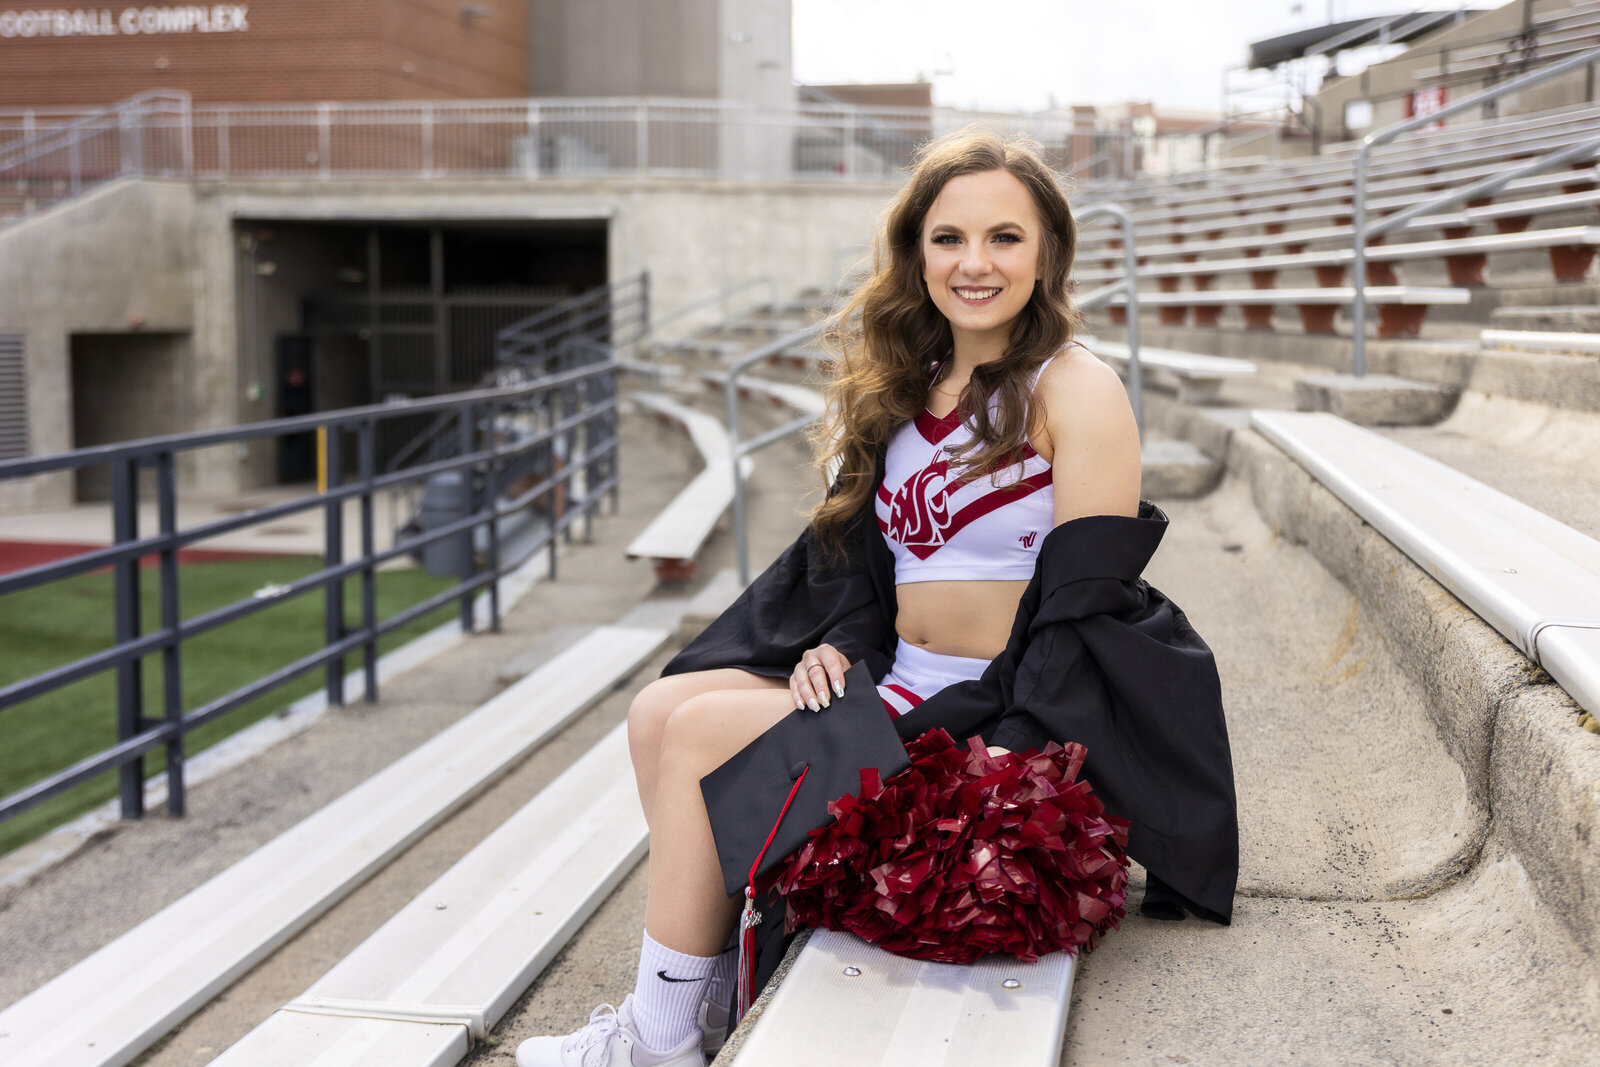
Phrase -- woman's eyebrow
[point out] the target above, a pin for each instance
(996, 228)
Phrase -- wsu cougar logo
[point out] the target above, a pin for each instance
(920, 512)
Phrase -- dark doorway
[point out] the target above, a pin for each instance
(403, 310)
(297, 452)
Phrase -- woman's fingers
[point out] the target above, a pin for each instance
(835, 665)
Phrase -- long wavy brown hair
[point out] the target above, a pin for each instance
(885, 339)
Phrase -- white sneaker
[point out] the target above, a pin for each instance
(714, 1025)
(608, 1041)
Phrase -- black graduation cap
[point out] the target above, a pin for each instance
(824, 752)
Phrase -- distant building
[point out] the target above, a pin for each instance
(294, 50)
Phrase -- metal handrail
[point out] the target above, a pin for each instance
(56, 138)
(712, 301)
(739, 450)
(481, 453)
(1358, 264)
(1128, 285)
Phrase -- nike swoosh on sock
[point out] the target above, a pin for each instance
(665, 977)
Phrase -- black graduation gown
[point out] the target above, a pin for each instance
(1096, 655)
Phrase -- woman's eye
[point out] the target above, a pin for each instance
(1011, 237)
(943, 237)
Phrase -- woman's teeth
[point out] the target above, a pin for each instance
(977, 294)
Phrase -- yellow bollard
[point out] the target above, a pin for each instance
(322, 459)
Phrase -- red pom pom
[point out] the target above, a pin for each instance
(964, 853)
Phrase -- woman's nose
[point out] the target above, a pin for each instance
(976, 260)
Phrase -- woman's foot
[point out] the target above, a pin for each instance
(610, 1040)
(713, 1026)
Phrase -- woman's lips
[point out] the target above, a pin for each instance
(977, 301)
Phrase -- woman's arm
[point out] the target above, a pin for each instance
(1094, 438)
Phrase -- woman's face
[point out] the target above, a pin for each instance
(980, 252)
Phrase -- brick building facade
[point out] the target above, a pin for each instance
(283, 50)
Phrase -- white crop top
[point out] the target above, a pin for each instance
(986, 530)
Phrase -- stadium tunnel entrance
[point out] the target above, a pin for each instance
(338, 314)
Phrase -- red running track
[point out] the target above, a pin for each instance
(20, 555)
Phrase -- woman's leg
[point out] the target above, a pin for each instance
(689, 909)
(655, 703)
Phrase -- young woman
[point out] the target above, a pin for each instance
(958, 379)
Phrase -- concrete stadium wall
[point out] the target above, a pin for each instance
(119, 261)
(1387, 83)
(164, 257)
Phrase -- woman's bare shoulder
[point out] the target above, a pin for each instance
(1076, 382)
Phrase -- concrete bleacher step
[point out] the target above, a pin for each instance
(114, 1004)
(1376, 399)
(1534, 579)
(1176, 470)
(847, 1002)
(443, 970)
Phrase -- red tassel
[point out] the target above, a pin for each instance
(750, 917)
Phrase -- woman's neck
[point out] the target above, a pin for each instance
(968, 350)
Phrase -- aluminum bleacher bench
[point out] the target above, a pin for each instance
(1571, 250)
(437, 976)
(675, 535)
(1543, 341)
(1400, 307)
(116, 1003)
(847, 1002)
(1177, 228)
(1534, 579)
(1507, 216)
(1199, 377)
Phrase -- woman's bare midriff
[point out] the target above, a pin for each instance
(971, 619)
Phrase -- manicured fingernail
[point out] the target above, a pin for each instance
(827, 701)
(838, 688)
(812, 704)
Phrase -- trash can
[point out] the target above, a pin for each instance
(447, 499)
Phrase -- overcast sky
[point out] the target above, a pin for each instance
(1014, 54)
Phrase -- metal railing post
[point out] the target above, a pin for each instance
(738, 450)
(491, 493)
(641, 138)
(186, 134)
(468, 438)
(1129, 286)
(324, 142)
(333, 555)
(367, 461)
(224, 160)
(171, 664)
(427, 142)
(849, 145)
(126, 619)
(1358, 215)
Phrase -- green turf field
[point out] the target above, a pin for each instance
(58, 623)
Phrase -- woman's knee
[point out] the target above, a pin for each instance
(648, 713)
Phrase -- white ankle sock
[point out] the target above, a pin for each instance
(725, 973)
(666, 997)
